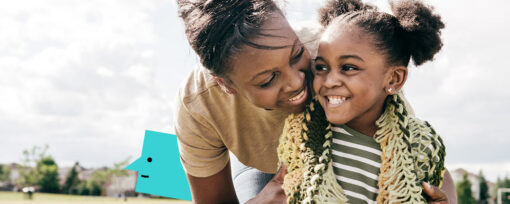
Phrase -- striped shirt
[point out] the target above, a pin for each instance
(356, 163)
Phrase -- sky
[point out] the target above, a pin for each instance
(88, 78)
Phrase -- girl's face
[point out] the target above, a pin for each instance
(273, 79)
(350, 77)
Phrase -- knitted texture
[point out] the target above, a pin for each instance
(305, 148)
(412, 152)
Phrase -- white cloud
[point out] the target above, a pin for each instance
(79, 76)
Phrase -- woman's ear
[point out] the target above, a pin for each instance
(396, 79)
(225, 85)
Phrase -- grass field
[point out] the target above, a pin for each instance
(46, 198)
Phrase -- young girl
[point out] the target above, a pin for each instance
(356, 142)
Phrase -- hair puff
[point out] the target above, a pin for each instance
(422, 26)
(335, 8)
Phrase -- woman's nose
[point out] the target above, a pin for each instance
(295, 80)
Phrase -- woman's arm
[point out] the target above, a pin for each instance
(272, 192)
(447, 193)
(217, 188)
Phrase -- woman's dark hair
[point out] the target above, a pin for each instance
(216, 29)
(412, 32)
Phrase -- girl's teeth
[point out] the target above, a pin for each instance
(297, 96)
(336, 99)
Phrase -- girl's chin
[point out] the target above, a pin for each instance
(336, 119)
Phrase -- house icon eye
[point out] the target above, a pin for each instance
(149, 159)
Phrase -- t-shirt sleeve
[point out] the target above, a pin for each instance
(202, 151)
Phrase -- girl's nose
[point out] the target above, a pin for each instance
(333, 80)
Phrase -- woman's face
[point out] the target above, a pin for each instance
(350, 77)
(273, 79)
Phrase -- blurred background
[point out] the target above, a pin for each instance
(80, 82)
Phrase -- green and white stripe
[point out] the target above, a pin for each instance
(356, 163)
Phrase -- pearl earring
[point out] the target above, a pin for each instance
(390, 89)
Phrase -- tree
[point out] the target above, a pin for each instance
(97, 181)
(505, 183)
(484, 190)
(72, 181)
(38, 168)
(29, 176)
(5, 172)
(102, 177)
(464, 193)
(48, 175)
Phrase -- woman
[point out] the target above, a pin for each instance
(253, 75)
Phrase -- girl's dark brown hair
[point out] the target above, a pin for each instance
(412, 32)
(216, 29)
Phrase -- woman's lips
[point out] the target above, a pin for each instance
(299, 98)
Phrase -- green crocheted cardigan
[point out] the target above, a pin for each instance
(412, 152)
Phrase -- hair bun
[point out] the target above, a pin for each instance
(335, 8)
(413, 15)
(422, 26)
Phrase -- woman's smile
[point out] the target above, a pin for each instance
(300, 97)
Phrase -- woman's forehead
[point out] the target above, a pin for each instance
(275, 32)
(251, 61)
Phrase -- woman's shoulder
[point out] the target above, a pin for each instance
(198, 83)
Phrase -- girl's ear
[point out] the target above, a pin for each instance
(225, 85)
(396, 79)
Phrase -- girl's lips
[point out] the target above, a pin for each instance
(335, 101)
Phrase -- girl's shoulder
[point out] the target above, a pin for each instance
(428, 151)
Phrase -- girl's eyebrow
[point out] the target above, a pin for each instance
(343, 57)
(318, 58)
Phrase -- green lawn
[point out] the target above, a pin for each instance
(46, 198)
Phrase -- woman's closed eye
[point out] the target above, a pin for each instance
(269, 81)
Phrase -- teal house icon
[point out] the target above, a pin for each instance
(159, 167)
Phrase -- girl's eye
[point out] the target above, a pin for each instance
(269, 82)
(319, 68)
(347, 67)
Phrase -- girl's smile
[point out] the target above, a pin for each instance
(350, 78)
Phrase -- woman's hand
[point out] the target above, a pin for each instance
(436, 195)
(272, 192)
(445, 195)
